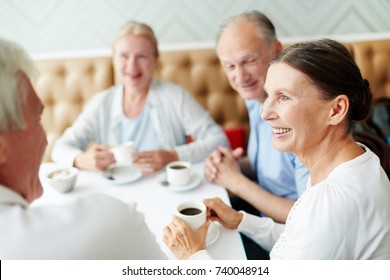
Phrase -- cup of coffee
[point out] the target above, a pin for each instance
(192, 212)
(122, 153)
(178, 173)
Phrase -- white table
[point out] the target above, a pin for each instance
(156, 202)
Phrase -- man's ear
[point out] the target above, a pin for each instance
(3, 156)
(278, 47)
(339, 109)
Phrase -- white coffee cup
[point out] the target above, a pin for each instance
(193, 213)
(122, 153)
(178, 173)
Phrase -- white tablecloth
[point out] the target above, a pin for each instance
(156, 202)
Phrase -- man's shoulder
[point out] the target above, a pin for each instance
(101, 200)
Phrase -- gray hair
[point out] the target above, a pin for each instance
(12, 93)
(265, 27)
(139, 29)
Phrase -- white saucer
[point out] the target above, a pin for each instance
(123, 174)
(194, 182)
(212, 234)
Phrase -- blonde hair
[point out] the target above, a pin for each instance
(139, 29)
(12, 92)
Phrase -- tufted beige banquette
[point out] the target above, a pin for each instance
(65, 85)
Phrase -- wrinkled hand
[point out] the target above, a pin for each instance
(95, 157)
(211, 167)
(218, 211)
(152, 161)
(182, 240)
(223, 169)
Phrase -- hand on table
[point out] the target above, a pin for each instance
(152, 161)
(95, 157)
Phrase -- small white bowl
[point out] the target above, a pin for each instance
(63, 180)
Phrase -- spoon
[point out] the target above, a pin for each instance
(109, 174)
(165, 181)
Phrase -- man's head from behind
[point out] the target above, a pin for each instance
(245, 45)
(22, 139)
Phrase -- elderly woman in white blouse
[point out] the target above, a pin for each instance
(157, 116)
(315, 94)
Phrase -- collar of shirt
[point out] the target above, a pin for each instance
(8, 196)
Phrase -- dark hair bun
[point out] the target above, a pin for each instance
(361, 106)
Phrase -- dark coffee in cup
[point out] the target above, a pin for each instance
(190, 211)
(178, 173)
(194, 213)
(178, 167)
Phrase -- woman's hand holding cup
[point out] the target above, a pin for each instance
(123, 153)
(218, 211)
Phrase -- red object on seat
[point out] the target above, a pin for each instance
(236, 137)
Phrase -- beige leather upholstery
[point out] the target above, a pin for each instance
(373, 58)
(65, 85)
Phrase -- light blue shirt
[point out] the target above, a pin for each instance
(141, 131)
(279, 173)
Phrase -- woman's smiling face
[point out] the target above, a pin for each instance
(294, 108)
(135, 61)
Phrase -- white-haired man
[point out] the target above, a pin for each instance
(93, 227)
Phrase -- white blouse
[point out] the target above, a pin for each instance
(346, 216)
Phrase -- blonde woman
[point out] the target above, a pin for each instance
(158, 116)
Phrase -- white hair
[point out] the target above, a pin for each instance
(13, 59)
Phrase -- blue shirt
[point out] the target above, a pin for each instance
(140, 130)
(277, 172)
